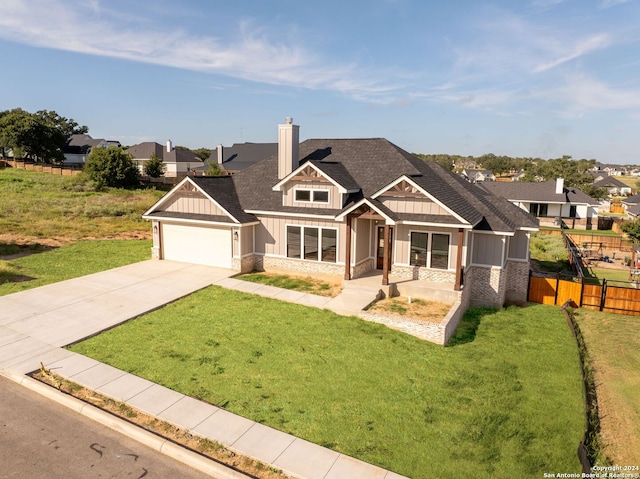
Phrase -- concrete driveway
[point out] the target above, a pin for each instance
(35, 324)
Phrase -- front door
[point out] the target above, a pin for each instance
(380, 246)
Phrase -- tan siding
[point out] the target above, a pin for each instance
(246, 240)
(403, 242)
(334, 195)
(272, 232)
(363, 241)
(518, 245)
(413, 205)
(193, 203)
(487, 249)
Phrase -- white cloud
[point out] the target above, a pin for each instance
(564, 53)
(248, 54)
(612, 3)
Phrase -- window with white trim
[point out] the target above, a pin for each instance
(311, 196)
(429, 250)
(312, 243)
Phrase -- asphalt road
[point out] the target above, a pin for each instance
(42, 439)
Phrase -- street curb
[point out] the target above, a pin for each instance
(168, 448)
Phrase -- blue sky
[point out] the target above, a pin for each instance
(534, 78)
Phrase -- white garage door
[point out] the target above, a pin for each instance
(197, 244)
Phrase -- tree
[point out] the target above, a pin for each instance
(111, 167)
(40, 136)
(632, 228)
(214, 170)
(154, 167)
(203, 153)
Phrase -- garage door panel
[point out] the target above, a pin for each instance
(197, 244)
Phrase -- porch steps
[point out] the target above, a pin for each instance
(354, 298)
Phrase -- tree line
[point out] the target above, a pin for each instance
(577, 173)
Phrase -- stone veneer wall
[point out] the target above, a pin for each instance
(264, 263)
(362, 268)
(487, 284)
(244, 265)
(517, 288)
(438, 333)
(414, 272)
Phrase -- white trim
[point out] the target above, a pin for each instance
(171, 219)
(312, 194)
(278, 186)
(428, 250)
(302, 252)
(173, 190)
(423, 191)
(293, 215)
(355, 206)
(436, 225)
(495, 233)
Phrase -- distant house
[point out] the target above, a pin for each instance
(549, 201)
(177, 162)
(478, 176)
(79, 147)
(241, 155)
(614, 186)
(631, 205)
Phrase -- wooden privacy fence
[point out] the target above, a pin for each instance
(619, 297)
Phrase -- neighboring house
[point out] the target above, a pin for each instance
(349, 207)
(631, 205)
(614, 186)
(518, 176)
(79, 147)
(177, 162)
(550, 202)
(478, 176)
(241, 155)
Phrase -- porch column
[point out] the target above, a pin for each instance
(385, 261)
(347, 253)
(458, 285)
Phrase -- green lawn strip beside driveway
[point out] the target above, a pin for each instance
(66, 262)
(504, 401)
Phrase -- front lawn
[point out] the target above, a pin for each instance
(68, 262)
(613, 346)
(504, 401)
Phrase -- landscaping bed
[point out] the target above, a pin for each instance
(322, 285)
(504, 400)
(417, 310)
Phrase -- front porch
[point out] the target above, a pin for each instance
(371, 283)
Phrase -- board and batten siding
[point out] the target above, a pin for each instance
(271, 234)
(335, 198)
(363, 239)
(246, 240)
(413, 205)
(402, 240)
(193, 202)
(519, 246)
(487, 249)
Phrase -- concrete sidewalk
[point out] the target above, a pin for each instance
(36, 324)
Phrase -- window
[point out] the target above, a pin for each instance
(311, 196)
(312, 243)
(293, 242)
(573, 210)
(438, 256)
(418, 249)
(539, 209)
(439, 251)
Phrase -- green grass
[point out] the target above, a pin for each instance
(504, 401)
(608, 274)
(549, 251)
(42, 205)
(71, 261)
(613, 345)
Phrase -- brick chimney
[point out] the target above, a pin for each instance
(288, 147)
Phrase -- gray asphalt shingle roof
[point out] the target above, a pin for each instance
(540, 192)
(243, 155)
(221, 189)
(371, 164)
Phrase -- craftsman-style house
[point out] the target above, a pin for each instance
(349, 207)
